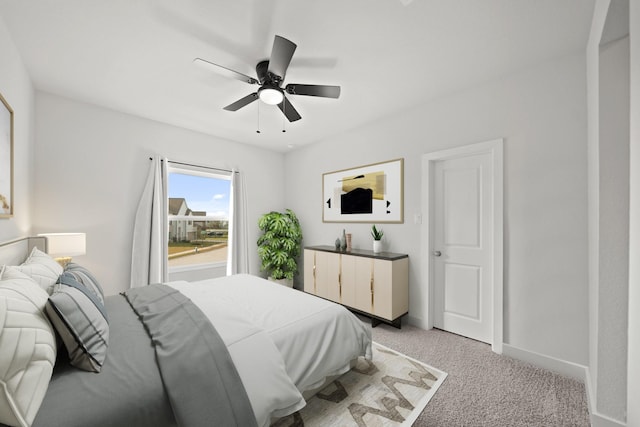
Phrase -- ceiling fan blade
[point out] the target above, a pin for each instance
(290, 113)
(224, 71)
(242, 102)
(281, 55)
(313, 90)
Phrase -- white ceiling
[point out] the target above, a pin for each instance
(136, 56)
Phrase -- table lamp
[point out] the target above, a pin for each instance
(63, 246)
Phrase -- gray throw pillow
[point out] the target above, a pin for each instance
(85, 277)
(79, 317)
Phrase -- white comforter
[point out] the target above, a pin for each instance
(315, 338)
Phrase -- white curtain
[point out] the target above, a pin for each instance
(149, 253)
(238, 246)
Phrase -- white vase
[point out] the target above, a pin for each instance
(377, 246)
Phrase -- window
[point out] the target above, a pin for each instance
(198, 217)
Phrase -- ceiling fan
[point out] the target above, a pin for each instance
(271, 75)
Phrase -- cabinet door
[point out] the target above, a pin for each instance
(310, 271)
(334, 286)
(390, 288)
(356, 282)
(328, 275)
(382, 288)
(364, 289)
(347, 279)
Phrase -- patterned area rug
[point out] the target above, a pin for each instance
(390, 390)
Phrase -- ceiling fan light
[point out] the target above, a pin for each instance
(271, 96)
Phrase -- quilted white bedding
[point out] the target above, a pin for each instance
(316, 338)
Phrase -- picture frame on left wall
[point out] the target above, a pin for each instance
(6, 159)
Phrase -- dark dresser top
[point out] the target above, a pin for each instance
(389, 256)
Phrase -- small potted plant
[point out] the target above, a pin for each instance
(377, 239)
(279, 245)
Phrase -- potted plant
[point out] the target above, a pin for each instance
(279, 245)
(377, 239)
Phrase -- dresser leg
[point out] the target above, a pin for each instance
(397, 323)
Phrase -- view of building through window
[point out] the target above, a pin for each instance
(198, 217)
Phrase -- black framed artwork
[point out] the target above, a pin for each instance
(370, 193)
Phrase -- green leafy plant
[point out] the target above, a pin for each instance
(376, 233)
(279, 245)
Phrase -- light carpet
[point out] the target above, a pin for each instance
(390, 390)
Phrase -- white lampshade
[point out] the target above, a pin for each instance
(65, 244)
(271, 96)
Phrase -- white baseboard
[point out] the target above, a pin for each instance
(597, 419)
(418, 322)
(569, 369)
(559, 366)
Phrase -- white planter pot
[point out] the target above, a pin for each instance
(377, 246)
(285, 282)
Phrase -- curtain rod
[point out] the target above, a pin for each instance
(197, 166)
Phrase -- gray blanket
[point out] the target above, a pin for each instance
(127, 392)
(199, 376)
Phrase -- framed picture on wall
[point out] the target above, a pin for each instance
(6, 159)
(371, 193)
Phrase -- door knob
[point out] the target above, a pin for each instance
(437, 253)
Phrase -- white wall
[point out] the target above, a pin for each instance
(90, 168)
(593, 164)
(608, 140)
(614, 228)
(541, 113)
(17, 90)
(633, 373)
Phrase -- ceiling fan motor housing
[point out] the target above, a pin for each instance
(265, 77)
(270, 91)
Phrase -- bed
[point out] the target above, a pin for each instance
(276, 344)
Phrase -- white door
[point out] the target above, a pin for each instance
(462, 249)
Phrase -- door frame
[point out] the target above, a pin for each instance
(495, 149)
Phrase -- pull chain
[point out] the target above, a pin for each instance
(258, 130)
(284, 110)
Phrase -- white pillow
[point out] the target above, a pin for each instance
(28, 348)
(42, 268)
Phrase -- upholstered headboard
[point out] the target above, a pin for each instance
(15, 251)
